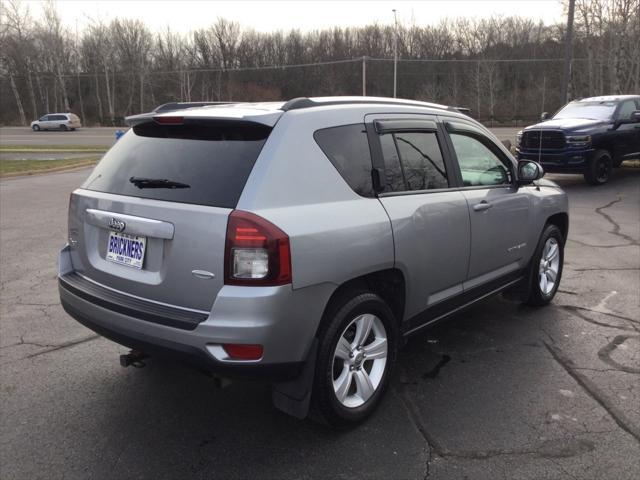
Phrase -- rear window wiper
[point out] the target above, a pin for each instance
(142, 182)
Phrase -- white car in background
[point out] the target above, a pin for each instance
(56, 121)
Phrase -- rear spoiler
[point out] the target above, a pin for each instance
(133, 120)
(172, 106)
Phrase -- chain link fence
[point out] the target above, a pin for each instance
(498, 92)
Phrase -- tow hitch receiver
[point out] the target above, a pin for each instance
(134, 358)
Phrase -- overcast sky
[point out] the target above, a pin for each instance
(187, 15)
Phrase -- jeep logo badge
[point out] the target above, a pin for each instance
(117, 225)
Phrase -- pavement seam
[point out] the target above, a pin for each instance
(585, 244)
(434, 446)
(614, 315)
(576, 312)
(605, 353)
(594, 392)
(621, 269)
(70, 344)
(616, 226)
(415, 421)
(54, 348)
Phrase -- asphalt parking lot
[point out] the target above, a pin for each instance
(500, 391)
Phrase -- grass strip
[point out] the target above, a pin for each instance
(12, 168)
(52, 148)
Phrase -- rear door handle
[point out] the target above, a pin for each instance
(483, 205)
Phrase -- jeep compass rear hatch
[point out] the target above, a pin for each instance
(150, 221)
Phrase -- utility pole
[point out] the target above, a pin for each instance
(364, 76)
(78, 74)
(395, 54)
(568, 48)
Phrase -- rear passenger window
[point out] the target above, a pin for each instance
(413, 161)
(347, 148)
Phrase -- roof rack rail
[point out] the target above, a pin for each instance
(306, 102)
(172, 106)
(465, 110)
(297, 103)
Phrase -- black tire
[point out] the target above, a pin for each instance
(324, 399)
(537, 297)
(599, 167)
(36, 128)
(64, 128)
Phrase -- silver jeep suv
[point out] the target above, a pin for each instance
(303, 241)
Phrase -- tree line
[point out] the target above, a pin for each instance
(505, 69)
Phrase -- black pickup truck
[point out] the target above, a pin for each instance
(589, 136)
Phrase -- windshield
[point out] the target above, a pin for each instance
(590, 110)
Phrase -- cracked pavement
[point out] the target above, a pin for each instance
(499, 391)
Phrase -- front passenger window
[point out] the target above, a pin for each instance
(478, 164)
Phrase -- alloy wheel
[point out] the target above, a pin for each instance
(359, 360)
(549, 266)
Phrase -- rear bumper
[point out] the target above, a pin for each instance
(283, 320)
(559, 161)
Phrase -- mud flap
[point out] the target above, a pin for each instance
(294, 396)
(521, 291)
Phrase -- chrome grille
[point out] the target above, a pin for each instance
(551, 139)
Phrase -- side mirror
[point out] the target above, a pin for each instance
(545, 116)
(635, 116)
(529, 172)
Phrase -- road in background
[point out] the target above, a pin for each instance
(500, 391)
(105, 136)
(86, 137)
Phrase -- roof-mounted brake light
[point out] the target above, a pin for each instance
(169, 120)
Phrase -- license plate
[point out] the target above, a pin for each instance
(126, 249)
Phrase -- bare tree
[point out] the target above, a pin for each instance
(120, 67)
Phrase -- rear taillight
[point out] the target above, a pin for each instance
(72, 232)
(256, 252)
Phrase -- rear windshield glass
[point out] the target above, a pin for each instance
(199, 163)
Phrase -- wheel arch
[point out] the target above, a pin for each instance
(560, 220)
(388, 284)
